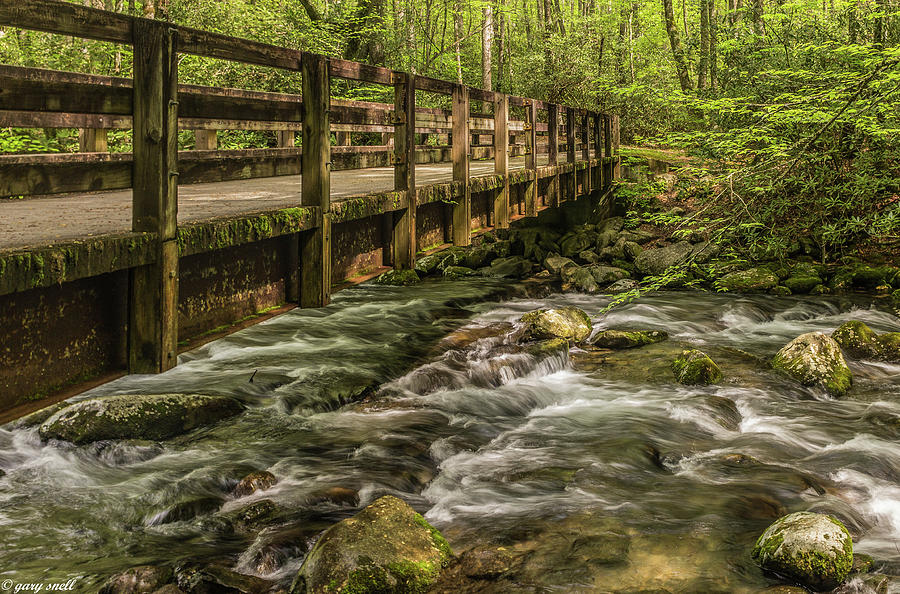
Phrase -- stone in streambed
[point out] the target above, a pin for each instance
(622, 286)
(138, 580)
(748, 281)
(511, 267)
(627, 339)
(387, 547)
(656, 261)
(695, 367)
(605, 275)
(253, 482)
(859, 341)
(564, 322)
(398, 278)
(814, 550)
(198, 578)
(579, 279)
(814, 359)
(556, 264)
(429, 264)
(137, 416)
(457, 272)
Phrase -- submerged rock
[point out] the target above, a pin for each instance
(253, 482)
(695, 367)
(860, 341)
(749, 281)
(387, 547)
(398, 278)
(137, 416)
(196, 578)
(138, 580)
(565, 322)
(814, 359)
(627, 339)
(814, 550)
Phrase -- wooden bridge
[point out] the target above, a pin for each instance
(106, 259)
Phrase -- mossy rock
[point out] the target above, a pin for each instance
(457, 272)
(606, 275)
(657, 261)
(253, 482)
(578, 278)
(628, 339)
(429, 264)
(802, 284)
(814, 550)
(137, 416)
(387, 547)
(398, 278)
(857, 339)
(511, 267)
(548, 348)
(694, 367)
(780, 291)
(144, 578)
(814, 359)
(556, 264)
(565, 322)
(748, 281)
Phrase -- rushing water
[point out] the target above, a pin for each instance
(612, 476)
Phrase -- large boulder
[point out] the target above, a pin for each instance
(565, 322)
(579, 279)
(859, 341)
(656, 261)
(511, 267)
(627, 339)
(457, 272)
(137, 416)
(804, 277)
(398, 278)
(748, 281)
(814, 359)
(429, 264)
(605, 275)
(695, 367)
(387, 547)
(556, 264)
(814, 550)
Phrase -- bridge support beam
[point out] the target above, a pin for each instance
(553, 153)
(315, 180)
(598, 152)
(501, 159)
(531, 188)
(153, 288)
(462, 210)
(404, 232)
(572, 190)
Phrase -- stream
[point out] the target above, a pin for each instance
(608, 473)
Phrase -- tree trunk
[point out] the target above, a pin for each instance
(758, 26)
(458, 34)
(703, 63)
(487, 40)
(502, 83)
(878, 25)
(713, 45)
(677, 51)
(852, 24)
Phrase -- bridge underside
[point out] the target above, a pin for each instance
(66, 260)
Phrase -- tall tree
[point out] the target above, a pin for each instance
(703, 62)
(487, 40)
(681, 69)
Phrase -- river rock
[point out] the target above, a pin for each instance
(814, 359)
(656, 261)
(564, 322)
(704, 252)
(695, 367)
(556, 264)
(804, 277)
(480, 256)
(632, 250)
(627, 339)
(859, 341)
(429, 264)
(387, 547)
(138, 580)
(201, 579)
(254, 517)
(511, 267)
(253, 482)
(605, 275)
(622, 286)
(748, 281)
(186, 510)
(579, 279)
(457, 272)
(398, 278)
(814, 550)
(137, 416)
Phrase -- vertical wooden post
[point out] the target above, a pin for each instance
(570, 152)
(607, 135)
(153, 288)
(598, 151)
(586, 151)
(342, 138)
(501, 159)
(404, 236)
(614, 126)
(315, 180)
(285, 138)
(553, 152)
(459, 151)
(205, 140)
(531, 158)
(93, 140)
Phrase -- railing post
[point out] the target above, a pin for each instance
(459, 151)
(531, 158)
(315, 180)
(598, 150)
(607, 135)
(342, 139)
(285, 138)
(93, 140)
(153, 288)
(570, 150)
(404, 232)
(205, 140)
(501, 159)
(586, 151)
(553, 152)
(614, 125)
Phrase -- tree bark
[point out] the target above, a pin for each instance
(703, 63)
(713, 45)
(677, 52)
(487, 41)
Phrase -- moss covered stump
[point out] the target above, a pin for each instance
(695, 367)
(137, 416)
(387, 547)
(814, 359)
(814, 550)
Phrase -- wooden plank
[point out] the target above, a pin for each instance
(205, 140)
(585, 137)
(501, 160)
(286, 138)
(553, 153)
(434, 85)
(462, 211)
(348, 114)
(404, 221)
(35, 175)
(481, 95)
(531, 188)
(362, 72)
(153, 288)
(93, 140)
(607, 135)
(315, 245)
(615, 133)
(223, 124)
(33, 89)
(55, 119)
(67, 19)
(198, 167)
(232, 104)
(216, 45)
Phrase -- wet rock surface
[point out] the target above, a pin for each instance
(814, 359)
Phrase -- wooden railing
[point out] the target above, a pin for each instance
(155, 107)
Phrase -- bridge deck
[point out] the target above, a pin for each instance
(33, 222)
